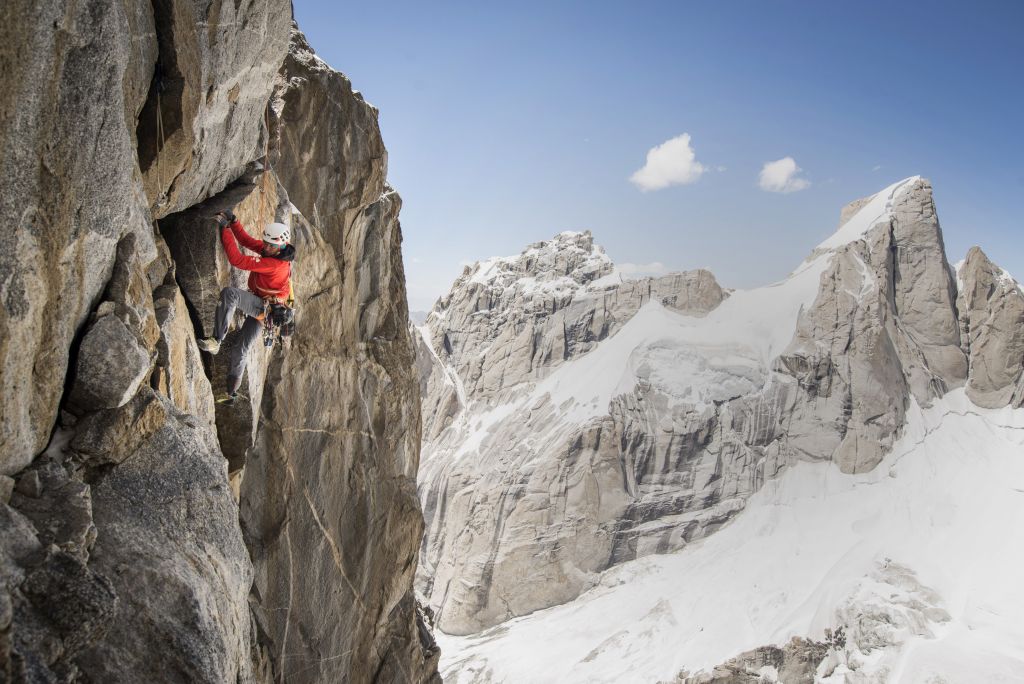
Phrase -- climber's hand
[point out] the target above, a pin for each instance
(225, 218)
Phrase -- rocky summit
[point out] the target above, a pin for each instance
(148, 533)
(576, 421)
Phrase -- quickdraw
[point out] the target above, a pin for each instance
(278, 322)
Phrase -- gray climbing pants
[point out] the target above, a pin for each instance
(233, 299)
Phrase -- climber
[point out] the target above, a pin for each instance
(269, 286)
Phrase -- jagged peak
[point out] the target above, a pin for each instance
(304, 53)
(976, 260)
(571, 258)
(860, 216)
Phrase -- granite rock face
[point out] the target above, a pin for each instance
(335, 170)
(991, 305)
(573, 420)
(328, 498)
(204, 118)
(75, 78)
(882, 329)
(135, 528)
(127, 553)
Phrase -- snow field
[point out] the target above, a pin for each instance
(947, 504)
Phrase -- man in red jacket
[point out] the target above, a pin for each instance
(269, 281)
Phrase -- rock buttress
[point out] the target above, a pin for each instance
(74, 79)
(121, 553)
(991, 305)
(328, 497)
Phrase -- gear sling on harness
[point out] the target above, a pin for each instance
(280, 318)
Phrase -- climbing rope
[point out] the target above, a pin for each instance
(265, 181)
(162, 199)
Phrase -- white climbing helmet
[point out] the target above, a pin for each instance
(277, 234)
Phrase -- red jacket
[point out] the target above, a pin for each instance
(270, 276)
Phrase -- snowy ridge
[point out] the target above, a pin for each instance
(1006, 280)
(919, 559)
(722, 355)
(1009, 282)
(564, 263)
(874, 211)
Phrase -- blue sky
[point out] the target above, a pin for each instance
(507, 124)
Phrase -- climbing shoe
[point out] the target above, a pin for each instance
(229, 398)
(209, 344)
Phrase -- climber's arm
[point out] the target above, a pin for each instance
(247, 241)
(239, 260)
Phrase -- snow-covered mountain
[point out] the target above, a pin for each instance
(916, 561)
(587, 439)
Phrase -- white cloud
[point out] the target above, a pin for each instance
(673, 162)
(781, 176)
(631, 271)
(876, 167)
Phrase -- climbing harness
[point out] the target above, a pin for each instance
(278, 323)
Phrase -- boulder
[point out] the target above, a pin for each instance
(111, 366)
(169, 544)
(112, 435)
